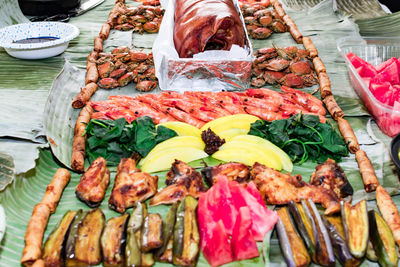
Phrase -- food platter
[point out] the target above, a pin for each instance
(60, 120)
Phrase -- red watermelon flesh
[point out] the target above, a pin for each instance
(366, 80)
(356, 60)
(386, 63)
(392, 71)
(382, 91)
(360, 70)
(218, 249)
(369, 71)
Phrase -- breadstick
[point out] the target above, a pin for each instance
(55, 188)
(389, 212)
(78, 147)
(310, 47)
(38, 263)
(294, 31)
(92, 75)
(333, 108)
(84, 96)
(318, 65)
(325, 84)
(105, 31)
(348, 135)
(34, 234)
(367, 171)
(98, 44)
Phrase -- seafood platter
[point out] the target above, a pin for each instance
(199, 164)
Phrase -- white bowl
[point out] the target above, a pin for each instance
(64, 33)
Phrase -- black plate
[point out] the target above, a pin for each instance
(47, 7)
(394, 150)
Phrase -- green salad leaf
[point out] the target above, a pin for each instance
(303, 137)
(116, 139)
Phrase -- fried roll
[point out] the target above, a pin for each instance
(55, 189)
(92, 57)
(34, 234)
(78, 147)
(278, 8)
(84, 96)
(38, 263)
(319, 66)
(367, 171)
(92, 75)
(333, 108)
(131, 186)
(105, 31)
(206, 25)
(310, 47)
(325, 84)
(294, 31)
(348, 135)
(389, 212)
(93, 184)
(98, 44)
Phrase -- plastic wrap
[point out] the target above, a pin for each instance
(212, 70)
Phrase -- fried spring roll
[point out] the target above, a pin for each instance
(294, 31)
(367, 171)
(278, 8)
(92, 57)
(319, 66)
(348, 135)
(78, 147)
(38, 263)
(84, 95)
(93, 184)
(34, 234)
(105, 31)
(325, 84)
(310, 47)
(389, 212)
(55, 189)
(333, 107)
(131, 186)
(92, 75)
(98, 44)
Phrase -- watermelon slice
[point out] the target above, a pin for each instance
(243, 243)
(386, 63)
(355, 60)
(367, 70)
(366, 80)
(392, 72)
(382, 91)
(360, 70)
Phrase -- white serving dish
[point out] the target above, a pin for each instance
(64, 33)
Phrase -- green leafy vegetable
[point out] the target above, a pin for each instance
(116, 139)
(303, 137)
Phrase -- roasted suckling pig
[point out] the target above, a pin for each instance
(131, 186)
(181, 180)
(329, 175)
(93, 184)
(278, 188)
(206, 25)
(233, 171)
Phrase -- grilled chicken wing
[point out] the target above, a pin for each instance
(131, 186)
(329, 175)
(278, 188)
(233, 171)
(93, 184)
(181, 180)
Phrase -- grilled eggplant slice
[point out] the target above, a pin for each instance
(133, 255)
(355, 223)
(113, 241)
(305, 226)
(186, 234)
(84, 247)
(233, 171)
(152, 232)
(168, 230)
(339, 244)
(324, 250)
(371, 254)
(382, 240)
(93, 184)
(293, 249)
(167, 255)
(52, 249)
(71, 238)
